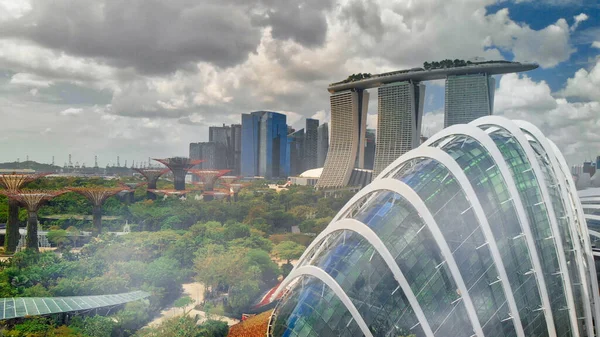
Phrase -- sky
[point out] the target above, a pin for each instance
(144, 78)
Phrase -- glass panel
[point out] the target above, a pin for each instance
(492, 192)
(531, 196)
(311, 308)
(457, 222)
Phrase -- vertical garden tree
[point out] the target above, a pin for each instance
(32, 200)
(12, 183)
(97, 196)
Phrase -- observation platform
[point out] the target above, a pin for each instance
(420, 74)
(37, 306)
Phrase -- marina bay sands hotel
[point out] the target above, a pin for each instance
(469, 95)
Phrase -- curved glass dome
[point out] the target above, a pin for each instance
(478, 232)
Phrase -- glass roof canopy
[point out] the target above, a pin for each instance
(34, 306)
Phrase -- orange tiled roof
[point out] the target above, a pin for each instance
(255, 326)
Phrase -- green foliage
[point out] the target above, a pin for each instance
(224, 245)
(185, 326)
(58, 237)
(212, 328)
(288, 250)
(95, 326)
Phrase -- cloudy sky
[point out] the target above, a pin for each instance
(140, 78)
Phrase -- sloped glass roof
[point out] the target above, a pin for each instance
(34, 306)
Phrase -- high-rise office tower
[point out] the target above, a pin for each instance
(264, 145)
(322, 144)
(399, 121)
(209, 152)
(311, 135)
(370, 141)
(296, 151)
(228, 142)
(468, 97)
(236, 132)
(347, 146)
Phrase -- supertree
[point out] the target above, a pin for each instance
(32, 200)
(209, 177)
(97, 196)
(129, 192)
(12, 183)
(235, 190)
(216, 195)
(151, 175)
(168, 192)
(179, 166)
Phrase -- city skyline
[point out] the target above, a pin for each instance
(64, 97)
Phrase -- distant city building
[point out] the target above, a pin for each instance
(264, 145)
(468, 97)
(296, 151)
(589, 168)
(399, 121)
(370, 141)
(307, 178)
(228, 145)
(347, 147)
(322, 144)
(210, 153)
(311, 140)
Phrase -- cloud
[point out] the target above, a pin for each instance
(180, 65)
(572, 125)
(596, 44)
(71, 111)
(30, 80)
(585, 84)
(367, 15)
(578, 19)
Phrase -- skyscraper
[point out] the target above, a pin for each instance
(236, 132)
(399, 121)
(264, 145)
(228, 145)
(347, 146)
(468, 97)
(210, 153)
(370, 141)
(311, 136)
(322, 144)
(296, 150)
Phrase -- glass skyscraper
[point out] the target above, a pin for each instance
(477, 232)
(311, 135)
(264, 145)
(322, 144)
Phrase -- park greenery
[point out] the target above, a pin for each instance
(237, 250)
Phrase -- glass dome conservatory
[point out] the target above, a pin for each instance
(477, 232)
